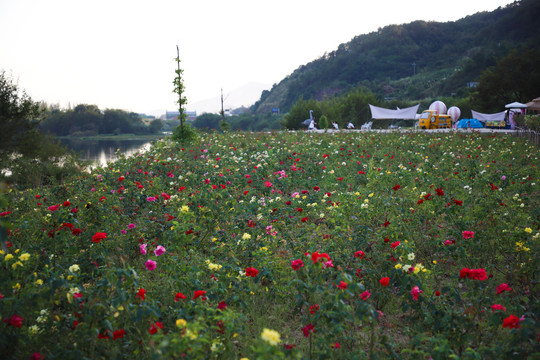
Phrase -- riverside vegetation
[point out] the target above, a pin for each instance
(280, 245)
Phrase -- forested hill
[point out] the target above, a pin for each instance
(412, 61)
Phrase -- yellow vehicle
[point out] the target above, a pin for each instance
(430, 119)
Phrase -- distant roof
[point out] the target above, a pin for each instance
(534, 104)
(515, 105)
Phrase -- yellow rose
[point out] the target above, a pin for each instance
(24, 257)
(271, 336)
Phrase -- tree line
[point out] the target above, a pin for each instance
(88, 120)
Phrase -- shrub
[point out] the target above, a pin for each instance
(185, 134)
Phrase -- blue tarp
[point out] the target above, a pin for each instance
(469, 123)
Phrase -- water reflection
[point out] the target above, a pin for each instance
(101, 152)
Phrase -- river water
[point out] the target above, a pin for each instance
(101, 152)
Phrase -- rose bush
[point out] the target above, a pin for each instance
(350, 245)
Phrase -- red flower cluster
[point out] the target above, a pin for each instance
(474, 274)
(297, 264)
(98, 237)
(15, 321)
(154, 328)
(251, 272)
(309, 328)
(502, 288)
(359, 254)
(222, 305)
(384, 281)
(316, 257)
(199, 293)
(141, 293)
(511, 322)
(179, 296)
(314, 308)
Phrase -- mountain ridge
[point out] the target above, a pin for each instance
(411, 61)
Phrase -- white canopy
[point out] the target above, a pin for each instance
(515, 105)
(382, 113)
(488, 117)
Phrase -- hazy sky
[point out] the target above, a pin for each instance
(120, 54)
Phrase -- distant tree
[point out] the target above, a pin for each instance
(115, 119)
(513, 78)
(27, 157)
(182, 100)
(155, 126)
(85, 120)
(300, 112)
(19, 118)
(207, 121)
(324, 123)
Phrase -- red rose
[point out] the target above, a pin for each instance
(15, 321)
(384, 281)
(511, 322)
(141, 293)
(117, 334)
(222, 305)
(251, 272)
(179, 296)
(199, 293)
(309, 328)
(98, 237)
(297, 264)
(359, 254)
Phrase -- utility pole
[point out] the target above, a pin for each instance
(414, 67)
(222, 111)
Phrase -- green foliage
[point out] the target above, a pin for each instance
(27, 157)
(531, 122)
(514, 78)
(353, 107)
(89, 120)
(224, 125)
(185, 134)
(19, 117)
(446, 56)
(300, 112)
(323, 122)
(155, 126)
(181, 133)
(207, 121)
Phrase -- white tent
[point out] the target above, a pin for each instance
(516, 105)
(488, 117)
(382, 113)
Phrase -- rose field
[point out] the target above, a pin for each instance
(353, 245)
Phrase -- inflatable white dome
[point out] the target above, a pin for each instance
(439, 107)
(454, 113)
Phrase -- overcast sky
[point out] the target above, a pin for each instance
(120, 54)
